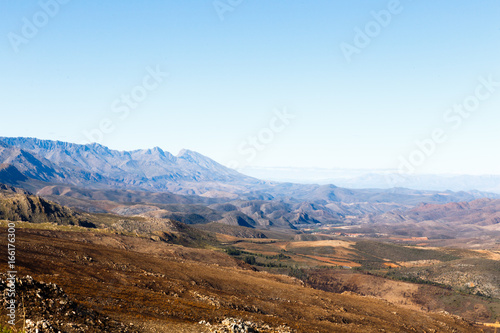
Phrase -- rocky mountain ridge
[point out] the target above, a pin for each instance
(94, 178)
(96, 165)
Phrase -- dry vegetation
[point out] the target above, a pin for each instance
(158, 286)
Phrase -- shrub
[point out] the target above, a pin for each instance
(250, 260)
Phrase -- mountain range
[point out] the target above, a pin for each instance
(377, 178)
(487, 183)
(476, 220)
(97, 166)
(189, 187)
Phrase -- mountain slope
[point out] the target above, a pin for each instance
(480, 212)
(9, 173)
(18, 206)
(140, 281)
(146, 168)
(478, 219)
(483, 212)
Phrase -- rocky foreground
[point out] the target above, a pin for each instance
(45, 307)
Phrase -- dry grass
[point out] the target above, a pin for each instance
(142, 281)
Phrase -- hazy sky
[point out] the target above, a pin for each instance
(347, 84)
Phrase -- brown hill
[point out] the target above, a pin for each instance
(165, 288)
(483, 212)
(17, 205)
(478, 219)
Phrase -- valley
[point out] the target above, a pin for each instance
(147, 284)
(206, 249)
(233, 166)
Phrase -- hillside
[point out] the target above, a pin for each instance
(483, 212)
(215, 273)
(477, 219)
(17, 205)
(21, 206)
(9, 174)
(157, 286)
(49, 309)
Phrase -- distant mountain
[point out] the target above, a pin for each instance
(10, 174)
(98, 166)
(155, 183)
(474, 219)
(379, 200)
(483, 212)
(122, 196)
(485, 183)
(378, 178)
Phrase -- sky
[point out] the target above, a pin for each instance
(412, 86)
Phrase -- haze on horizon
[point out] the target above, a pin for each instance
(385, 85)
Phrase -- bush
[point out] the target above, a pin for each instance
(250, 260)
(298, 273)
(233, 252)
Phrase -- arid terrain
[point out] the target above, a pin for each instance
(230, 166)
(217, 251)
(153, 286)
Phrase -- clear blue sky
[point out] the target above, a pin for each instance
(227, 77)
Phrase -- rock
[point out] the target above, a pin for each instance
(50, 310)
(233, 325)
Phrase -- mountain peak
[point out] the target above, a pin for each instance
(152, 151)
(155, 153)
(195, 157)
(94, 164)
(183, 153)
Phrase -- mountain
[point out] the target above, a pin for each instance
(377, 178)
(486, 183)
(477, 219)
(354, 201)
(154, 182)
(10, 174)
(97, 166)
(482, 212)
(18, 205)
(29, 165)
